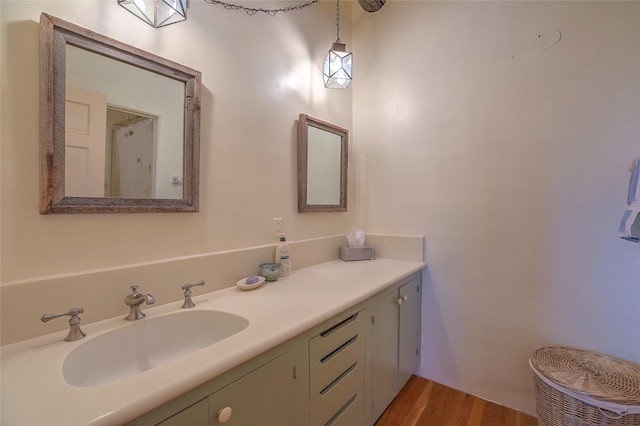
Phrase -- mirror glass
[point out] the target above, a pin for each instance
(119, 126)
(142, 149)
(322, 166)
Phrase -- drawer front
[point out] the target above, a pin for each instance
(335, 363)
(352, 414)
(336, 395)
(334, 337)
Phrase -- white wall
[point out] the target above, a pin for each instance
(513, 162)
(258, 74)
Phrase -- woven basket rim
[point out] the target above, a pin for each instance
(556, 406)
(593, 374)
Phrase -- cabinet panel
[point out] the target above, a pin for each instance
(409, 344)
(263, 397)
(195, 415)
(395, 342)
(385, 352)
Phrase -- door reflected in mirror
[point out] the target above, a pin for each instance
(322, 166)
(110, 156)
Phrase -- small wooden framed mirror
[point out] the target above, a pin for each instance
(322, 166)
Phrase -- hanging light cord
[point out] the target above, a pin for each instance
(252, 11)
(338, 22)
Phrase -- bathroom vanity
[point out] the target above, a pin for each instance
(329, 345)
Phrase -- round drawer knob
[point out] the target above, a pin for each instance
(224, 414)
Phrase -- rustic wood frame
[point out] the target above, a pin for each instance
(55, 34)
(304, 121)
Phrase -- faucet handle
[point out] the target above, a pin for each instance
(73, 313)
(134, 289)
(188, 303)
(74, 323)
(187, 287)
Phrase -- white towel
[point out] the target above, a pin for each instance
(630, 224)
(629, 228)
(634, 189)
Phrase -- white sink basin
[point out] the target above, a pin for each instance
(145, 344)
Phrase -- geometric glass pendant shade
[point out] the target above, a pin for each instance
(337, 68)
(157, 13)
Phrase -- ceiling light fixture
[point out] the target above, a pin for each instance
(157, 13)
(337, 68)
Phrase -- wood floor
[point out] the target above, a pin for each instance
(422, 402)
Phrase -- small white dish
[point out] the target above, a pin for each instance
(242, 284)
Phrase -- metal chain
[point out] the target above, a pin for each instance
(338, 22)
(252, 11)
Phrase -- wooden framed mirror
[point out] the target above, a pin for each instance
(119, 127)
(322, 166)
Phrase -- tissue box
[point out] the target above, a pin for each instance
(357, 253)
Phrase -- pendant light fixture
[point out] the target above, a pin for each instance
(337, 68)
(157, 13)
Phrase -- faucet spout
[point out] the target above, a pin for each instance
(134, 301)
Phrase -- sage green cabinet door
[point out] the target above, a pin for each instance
(396, 342)
(385, 352)
(409, 343)
(263, 397)
(195, 415)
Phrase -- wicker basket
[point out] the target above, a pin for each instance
(575, 387)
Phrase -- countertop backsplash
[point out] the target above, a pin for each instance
(101, 293)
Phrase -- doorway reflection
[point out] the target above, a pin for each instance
(131, 152)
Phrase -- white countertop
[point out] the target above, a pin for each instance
(34, 391)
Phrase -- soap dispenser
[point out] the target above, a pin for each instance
(283, 256)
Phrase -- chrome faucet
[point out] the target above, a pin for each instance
(134, 300)
(188, 303)
(74, 323)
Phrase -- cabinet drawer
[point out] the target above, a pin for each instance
(328, 402)
(352, 414)
(334, 337)
(335, 363)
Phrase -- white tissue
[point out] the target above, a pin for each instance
(356, 239)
